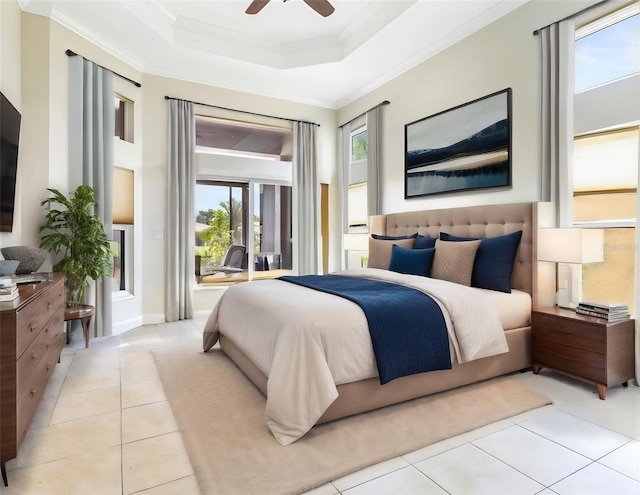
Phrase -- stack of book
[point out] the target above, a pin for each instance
(609, 312)
(8, 289)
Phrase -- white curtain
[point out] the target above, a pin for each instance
(180, 235)
(306, 199)
(557, 43)
(374, 156)
(91, 134)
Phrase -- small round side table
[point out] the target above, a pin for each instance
(82, 312)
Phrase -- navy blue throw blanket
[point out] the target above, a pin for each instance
(407, 328)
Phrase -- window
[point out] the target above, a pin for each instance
(272, 228)
(122, 249)
(118, 249)
(221, 208)
(357, 208)
(605, 155)
(357, 189)
(359, 145)
(219, 220)
(243, 202)
(356, 201)
(124, 118)
(607, 49)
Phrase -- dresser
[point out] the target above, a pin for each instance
(31, 340)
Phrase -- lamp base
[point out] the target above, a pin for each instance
(569, 285)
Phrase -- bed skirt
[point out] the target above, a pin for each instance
(366, 395)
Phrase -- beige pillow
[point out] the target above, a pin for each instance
(380, 251)
(453, 261)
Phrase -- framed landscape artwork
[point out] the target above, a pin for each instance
(465, 147)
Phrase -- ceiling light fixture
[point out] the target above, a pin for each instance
(322, 7)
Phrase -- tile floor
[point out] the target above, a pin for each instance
(104, 426)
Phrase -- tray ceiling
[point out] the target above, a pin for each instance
(287, 50)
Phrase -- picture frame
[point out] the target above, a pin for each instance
(464, 148)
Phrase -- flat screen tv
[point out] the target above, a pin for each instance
(9, 139)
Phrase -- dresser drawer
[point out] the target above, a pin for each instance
(30, 365)
(56, 336)
(27, 405)
(33, 317)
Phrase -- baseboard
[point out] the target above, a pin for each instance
(123, 326)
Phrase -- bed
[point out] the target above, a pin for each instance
(328, 371)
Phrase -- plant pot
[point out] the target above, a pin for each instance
(74, 295)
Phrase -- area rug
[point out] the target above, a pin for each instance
(221, 417)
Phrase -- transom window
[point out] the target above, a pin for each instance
(608, 49)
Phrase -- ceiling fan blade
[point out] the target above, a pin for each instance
(256, 6)
(322, 7)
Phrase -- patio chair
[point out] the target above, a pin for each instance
(233, 262)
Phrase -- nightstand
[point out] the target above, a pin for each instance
(584, 347)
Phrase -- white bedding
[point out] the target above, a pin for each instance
(513, 308)
(306, 341)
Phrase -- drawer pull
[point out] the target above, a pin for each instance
(48, 305)
(33, 355)
(32, 328)
(33, 392)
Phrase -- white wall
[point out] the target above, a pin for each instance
(11, 88)
(504, 54)
(10, 80)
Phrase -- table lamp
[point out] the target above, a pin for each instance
(357, 242)
(570, 248)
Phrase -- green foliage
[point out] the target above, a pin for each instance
(216, 237)
(72, 231)
(359, 146)
(225, 228)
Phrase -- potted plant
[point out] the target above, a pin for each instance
(72, 230)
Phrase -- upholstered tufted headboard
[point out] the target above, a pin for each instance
(478, 221)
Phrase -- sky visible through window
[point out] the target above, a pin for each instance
(608, 54)
(208, 197)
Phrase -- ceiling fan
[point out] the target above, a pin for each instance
(322, 7)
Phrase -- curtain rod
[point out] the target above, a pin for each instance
(241, 111)
(385, 102)
(537, 31)
(71, 53)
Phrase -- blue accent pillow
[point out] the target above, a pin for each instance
(423, 242)
(393, 237)
(411, 261)
(493, 265)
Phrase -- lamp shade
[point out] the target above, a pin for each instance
(356, 242)
(571, 245)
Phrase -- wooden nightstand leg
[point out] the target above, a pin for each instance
(602, 391)
(536, 369)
